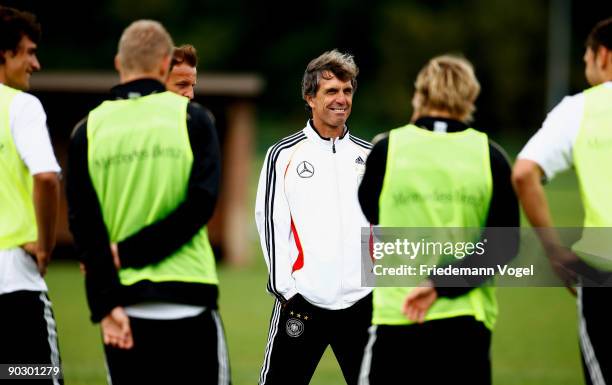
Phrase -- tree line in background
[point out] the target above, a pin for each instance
(391, 40)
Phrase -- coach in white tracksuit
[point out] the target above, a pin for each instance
(309, 222)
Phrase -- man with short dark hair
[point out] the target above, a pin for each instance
(578, 133)
(183, 72)
(29, 194)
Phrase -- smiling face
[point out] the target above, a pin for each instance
(182, 80)
(19, 65)
(331, 105)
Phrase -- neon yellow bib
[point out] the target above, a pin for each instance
(592, 157)
(140, 160)
(436, 180)
(17, 217)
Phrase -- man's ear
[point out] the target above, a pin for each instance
(164, 69)
(117, 63)
(4, 54)
(606, 57)
(309, 101)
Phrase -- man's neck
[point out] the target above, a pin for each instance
(434, 113)
(326, 131)
(126, 78)
(3, 77)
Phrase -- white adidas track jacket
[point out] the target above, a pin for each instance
(309, 219)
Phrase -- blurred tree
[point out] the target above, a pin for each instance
(391, 40)
(491, 35)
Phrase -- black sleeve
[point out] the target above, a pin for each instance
(501, 233)
(371, 185)
(89, 231)
(159, 240)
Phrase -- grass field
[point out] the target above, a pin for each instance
(535, 341)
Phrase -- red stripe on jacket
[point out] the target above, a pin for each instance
(299, 262)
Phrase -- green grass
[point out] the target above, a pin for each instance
(535, 341)
(245, 308)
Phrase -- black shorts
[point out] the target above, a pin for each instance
(28, 334)
(595, 334)
(440, 352)
(177, 351)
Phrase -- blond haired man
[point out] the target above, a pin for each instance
(309, 224)
(457, 178)
(143, 179)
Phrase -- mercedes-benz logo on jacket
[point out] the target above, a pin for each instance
(305, 170)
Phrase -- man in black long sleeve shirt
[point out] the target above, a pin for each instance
(140, 195)
(156, 241)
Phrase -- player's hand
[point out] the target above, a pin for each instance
(40, 256)
(561, 260)
(290, 301)
(115, 251)
(418, 301)
(30, 248)
(116, 330)
(42, 260)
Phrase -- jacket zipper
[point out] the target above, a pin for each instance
(338, 197)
